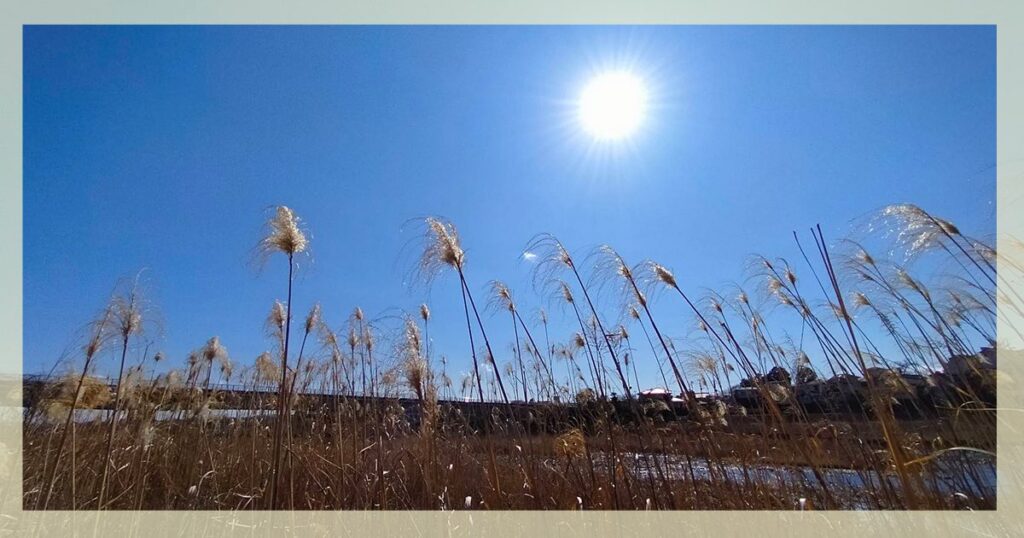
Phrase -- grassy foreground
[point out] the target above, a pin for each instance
(162, 445)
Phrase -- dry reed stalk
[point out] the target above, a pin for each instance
(284, 235)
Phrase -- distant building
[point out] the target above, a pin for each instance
(656, 394)
(959, 365)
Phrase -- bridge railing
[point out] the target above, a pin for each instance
(250, 388)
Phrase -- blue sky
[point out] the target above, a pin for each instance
(161, 148)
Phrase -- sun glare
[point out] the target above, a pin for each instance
(613, 105)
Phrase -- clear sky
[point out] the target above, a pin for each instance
(161, 148)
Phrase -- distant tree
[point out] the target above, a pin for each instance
(586, 396)
(779, 376)
(805, 374)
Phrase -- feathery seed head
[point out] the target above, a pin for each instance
(502, 295)
(985, 251)
(329, 337)
(415, 373)
(226, 367)
(443, 246)
(93, 346)
(266, 369)
(313, 318)
(128, 313)
(284, 233)
(947, 227)
(837, 311)
(859, 299)
(368, 340)
(276, 319)
(563, 255)
(907, 280)
(173, 378)
(213, 350)
(413, 341)
(916, 228)
(566, 292)
(663, 274)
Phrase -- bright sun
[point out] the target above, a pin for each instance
(613, 105)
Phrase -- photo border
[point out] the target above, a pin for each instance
(1007, 519)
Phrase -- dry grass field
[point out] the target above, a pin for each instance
(374, 423)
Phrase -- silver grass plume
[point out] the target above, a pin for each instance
(284, 234)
